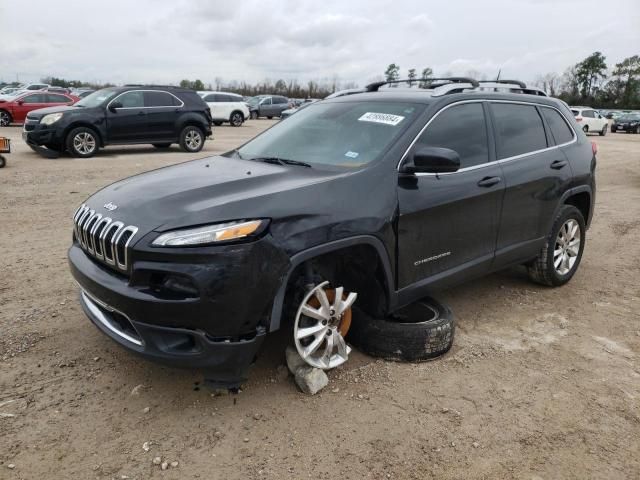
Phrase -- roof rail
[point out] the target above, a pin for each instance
(373, 87)
(514, 82)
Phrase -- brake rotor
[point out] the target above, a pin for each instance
(345, 321)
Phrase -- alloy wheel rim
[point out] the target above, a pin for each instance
(4, 119)
(567, 247)
(84, 143)
(319, 327)
(193, 139)
(236, 119)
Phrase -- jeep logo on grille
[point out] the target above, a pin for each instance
(110, 206)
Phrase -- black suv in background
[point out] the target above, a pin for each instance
(121, 116)
(267, 106)
(386, 195)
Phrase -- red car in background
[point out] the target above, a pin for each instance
(15, 109)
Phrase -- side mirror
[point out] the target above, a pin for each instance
(114, 105)
(432, 160)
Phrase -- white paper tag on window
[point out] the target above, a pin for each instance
(386, 118)
(351, 154)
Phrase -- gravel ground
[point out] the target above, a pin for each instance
(540, 384)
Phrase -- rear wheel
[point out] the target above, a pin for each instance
(3, 162)
(162, 145)
(236, 119)
(82, 142)
(560, 257)
(191, 139)
(254, 115)
(5, 118)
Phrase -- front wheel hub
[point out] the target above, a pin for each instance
(321, 323)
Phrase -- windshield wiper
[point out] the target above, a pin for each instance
(281, 161)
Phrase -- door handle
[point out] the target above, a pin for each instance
(141, 113)
(489, 181)
(558, 164)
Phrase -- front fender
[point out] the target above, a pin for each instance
(304, 255)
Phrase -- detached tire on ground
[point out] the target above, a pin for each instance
(420, 331)
(191, 139)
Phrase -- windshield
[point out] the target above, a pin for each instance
(628, 118)
(97, 98)
(344, 134)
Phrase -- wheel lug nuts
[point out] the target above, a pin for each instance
(324, 322)
(328, 333)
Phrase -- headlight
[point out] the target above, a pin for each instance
(209, 234)
(51, 118)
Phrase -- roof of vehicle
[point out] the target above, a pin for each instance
(436, 88)
(207, 92)
(171, 88)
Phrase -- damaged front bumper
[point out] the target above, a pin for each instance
(225, 362)
(214, 328)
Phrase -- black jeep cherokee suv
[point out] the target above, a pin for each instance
(387, 195)
(121, 115)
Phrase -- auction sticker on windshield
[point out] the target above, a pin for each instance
(386, 118)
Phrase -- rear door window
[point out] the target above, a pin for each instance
(54, 98)
(519, 129)
(588, 114)
(461, 128)
(560, 129)
(158, 99)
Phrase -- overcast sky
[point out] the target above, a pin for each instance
(160, 41)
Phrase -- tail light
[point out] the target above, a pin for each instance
(578, 119)
(594, 147)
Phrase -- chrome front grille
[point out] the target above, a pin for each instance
(103, 238)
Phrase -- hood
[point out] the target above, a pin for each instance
(211, 190)
(41, 112)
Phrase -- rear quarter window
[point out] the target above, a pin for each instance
(519, 129)
(561, 131)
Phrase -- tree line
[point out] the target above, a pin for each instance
(589, 82)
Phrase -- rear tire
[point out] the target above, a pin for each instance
(82, 142)
(420, 331)
(254, 115)
(3, 162)
(162, 145)
(5, 118)
(191, 139)
(560, 256)
(603, 132)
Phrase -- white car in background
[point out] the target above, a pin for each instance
(590, 120)
(226, 107)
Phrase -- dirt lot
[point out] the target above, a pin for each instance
(541, 383)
